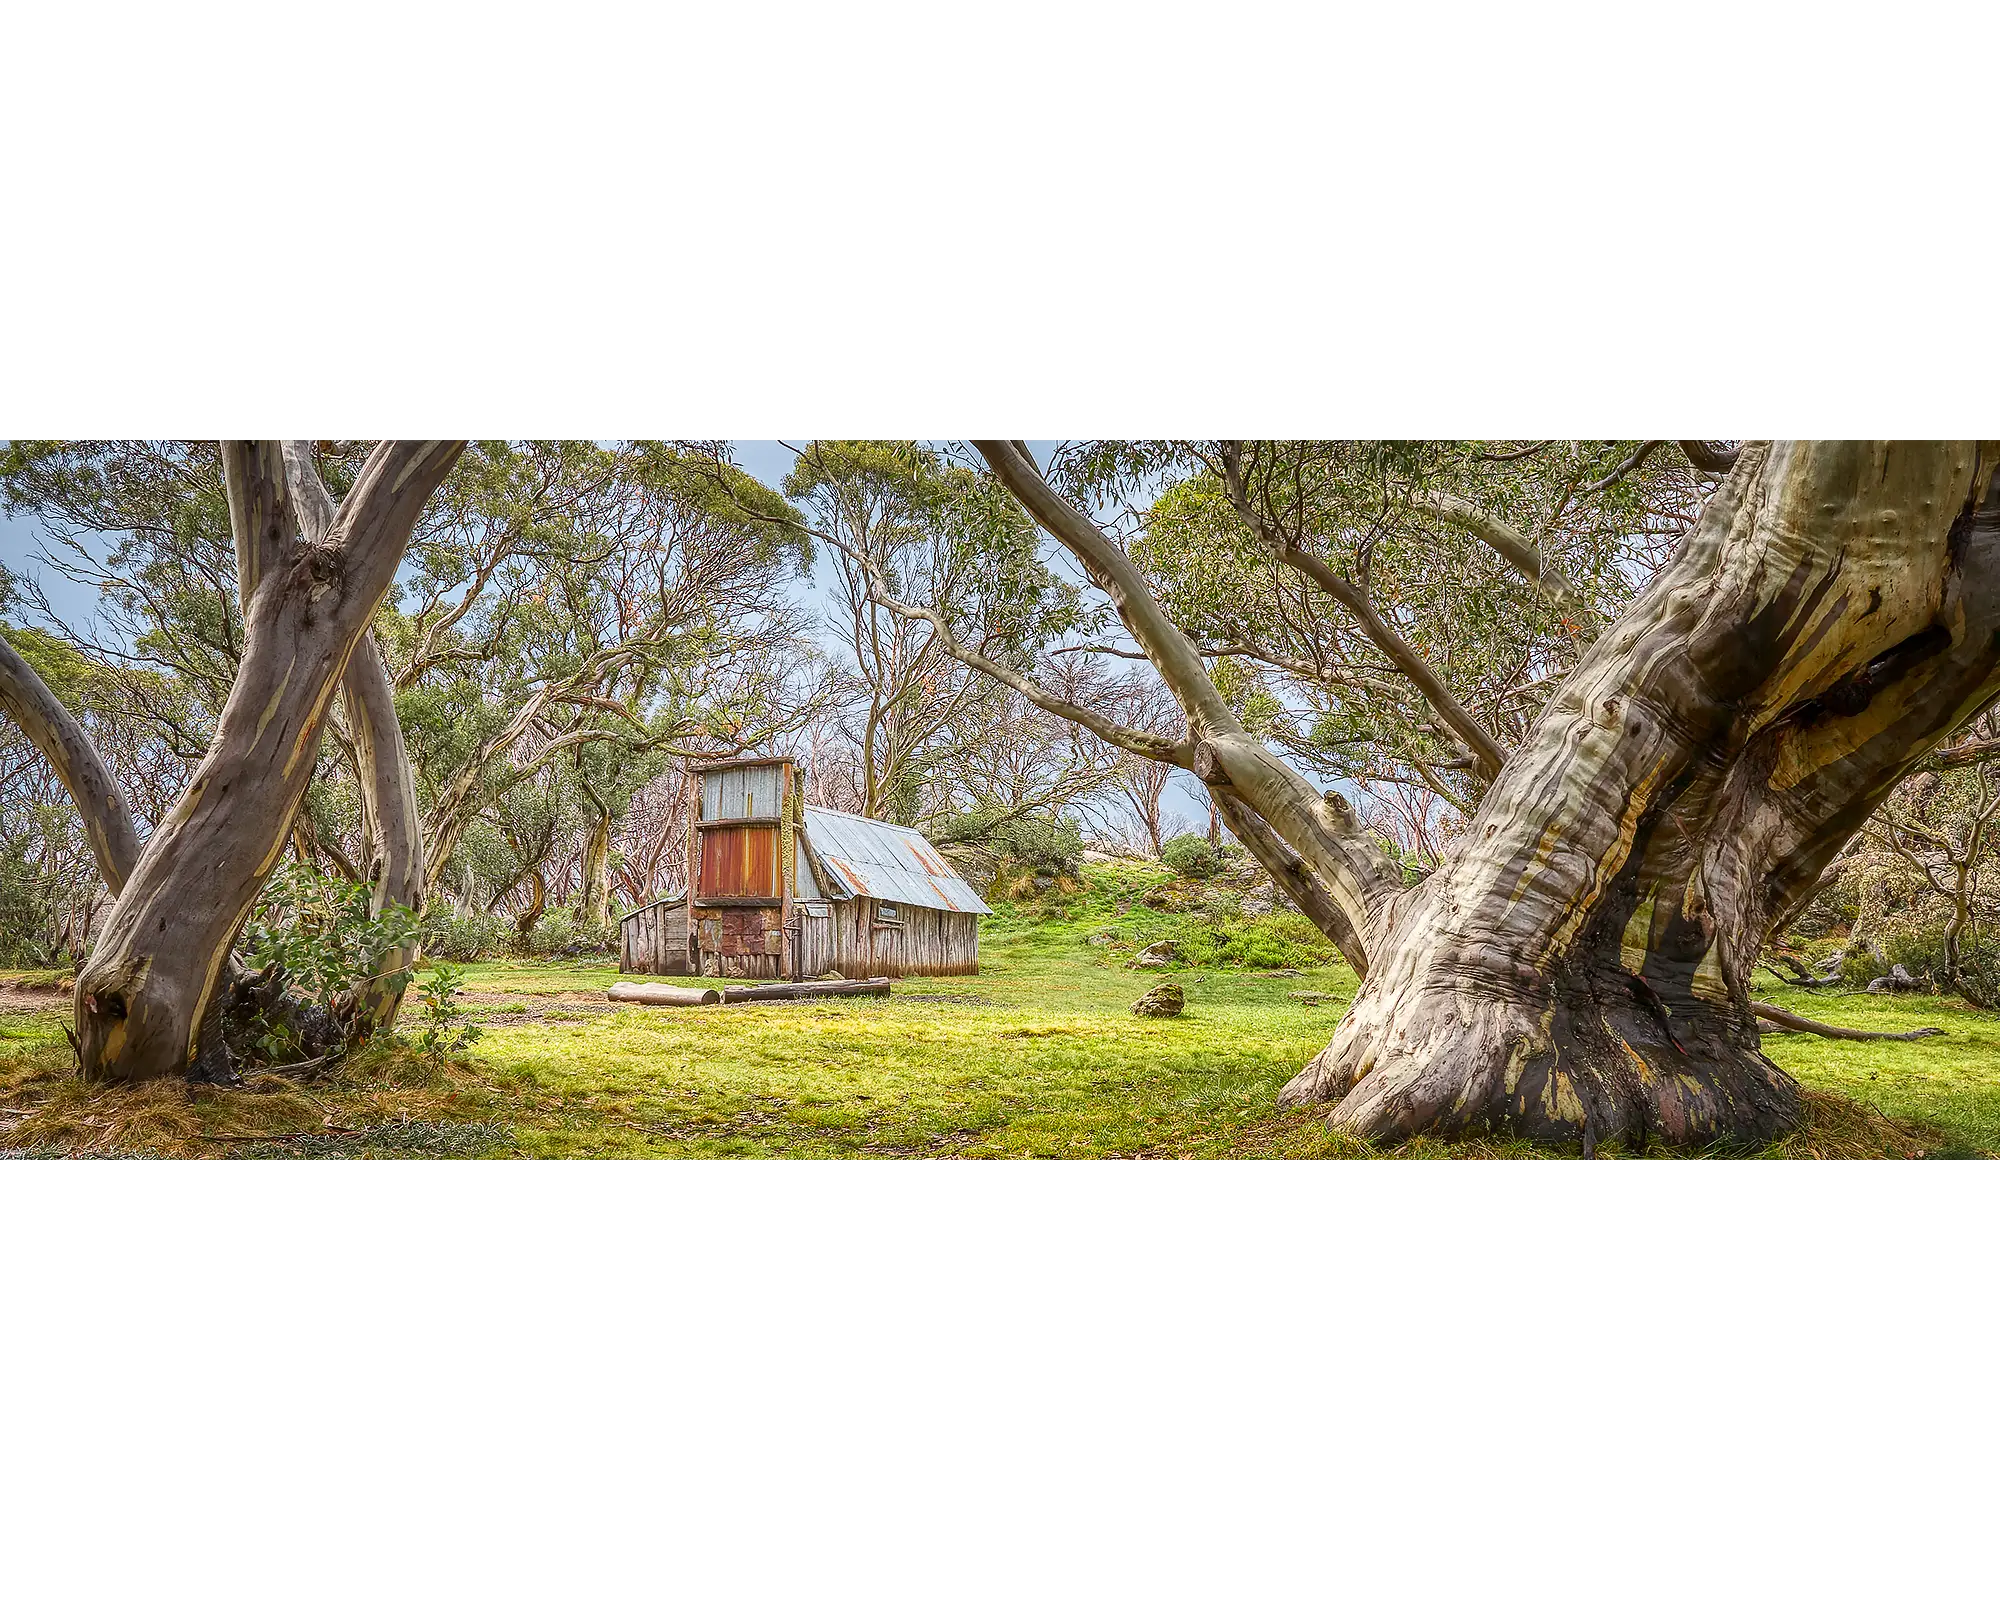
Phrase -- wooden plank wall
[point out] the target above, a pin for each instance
(738, 942)
(654, 939)
(921, 942)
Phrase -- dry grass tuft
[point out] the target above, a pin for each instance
(47, 1110)
(1836, 1129)
(1839, 1129)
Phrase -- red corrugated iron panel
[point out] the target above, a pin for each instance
(738, 862)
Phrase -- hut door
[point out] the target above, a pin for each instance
(886, 943)
(812, 939)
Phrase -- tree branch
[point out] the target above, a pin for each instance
(1485, 749)
(1501, 538)
(107, 820)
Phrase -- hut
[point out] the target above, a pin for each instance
(782, 889)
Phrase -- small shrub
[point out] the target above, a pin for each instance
(555, 932)
(1862, 963)
(446, 1030)
(469, 936)
(319, 934)
(1979, 972)
(1191, 856)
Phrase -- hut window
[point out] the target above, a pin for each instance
(887, 913)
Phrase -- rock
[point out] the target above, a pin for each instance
(1258, 905)
(831, 977)
(1157, 954)
(1096, 858)
(1162, 1000)
(1102, 937)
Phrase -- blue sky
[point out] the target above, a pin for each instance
(768, 459)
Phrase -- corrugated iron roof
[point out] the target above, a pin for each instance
(886, 861)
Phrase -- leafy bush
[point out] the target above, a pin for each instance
(1191, 856)
(1979, 972)
(319, 931)
(1862, 963)
(451, 936)
(555, 931)
(26, 910)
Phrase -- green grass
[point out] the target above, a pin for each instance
(1037, 1056)
(1950, 1085)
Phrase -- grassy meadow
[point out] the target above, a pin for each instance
(1039, 1055)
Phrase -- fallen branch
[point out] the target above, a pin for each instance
(806, 991)
(1792, 1022)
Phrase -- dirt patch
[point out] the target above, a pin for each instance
(35, 994)
(945, 999)
(497, 1009)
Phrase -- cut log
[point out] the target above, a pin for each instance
(1784, 1021)
(663, 994)
(804, 991)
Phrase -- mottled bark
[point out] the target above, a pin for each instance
(1579, 972)
(391, 825)
(45, 720)
(142, 998)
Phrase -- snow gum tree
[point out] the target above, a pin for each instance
(1580, 970)
(143, 997)
(1577, 971)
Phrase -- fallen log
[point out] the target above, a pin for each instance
(664, 994)
(1792, 1022)
(805, 991)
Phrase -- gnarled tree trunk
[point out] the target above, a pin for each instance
(596, 917)
(142, 998)
(391, 826)
(1579, 972)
